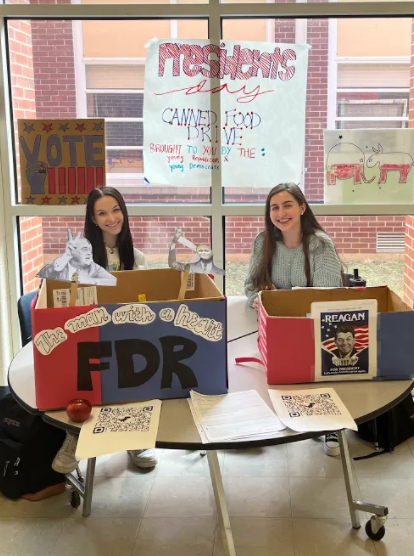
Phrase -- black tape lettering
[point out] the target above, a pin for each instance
(86, 352)
(172, 361)
(125, 351)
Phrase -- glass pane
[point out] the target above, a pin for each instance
(375, 124)
(121, 162)
(44, 239)
(115, 105)
(359, 72)
(79, 69)
(372, 244)
(125, 134)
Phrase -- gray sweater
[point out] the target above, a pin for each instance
(288, 265)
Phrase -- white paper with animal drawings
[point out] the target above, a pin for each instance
(319, 409)
(116, 428)
(369, 166)
(233, 416)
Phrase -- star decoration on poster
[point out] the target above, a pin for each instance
(64, 127)
(46, 200)
(97, 127)
(75, 200)
(30, 200)
(47, 127)
(80, 127)
(63, 200)
(28, 128)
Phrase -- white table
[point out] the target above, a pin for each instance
(364, 400)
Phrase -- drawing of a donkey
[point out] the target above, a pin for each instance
(390, 162)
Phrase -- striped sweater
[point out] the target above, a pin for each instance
(288, 265)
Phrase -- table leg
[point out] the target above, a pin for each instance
(380, 513)
(88, 492)
(349, 479)
(221, 504)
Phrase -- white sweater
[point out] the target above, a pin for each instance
(113, 260)
(288, 265)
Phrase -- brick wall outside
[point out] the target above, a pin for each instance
(408, 291)
(24, 106)
(153, 236)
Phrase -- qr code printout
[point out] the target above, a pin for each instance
(310, 405)
(124, 419)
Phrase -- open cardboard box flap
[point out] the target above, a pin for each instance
(297, 302)
(158, 285)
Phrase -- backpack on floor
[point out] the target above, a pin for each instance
(390, 429)
(28, 446)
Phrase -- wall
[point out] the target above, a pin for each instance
(374, 37)
(409, 237)
(24, 106)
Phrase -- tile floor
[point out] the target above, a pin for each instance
(286, 500)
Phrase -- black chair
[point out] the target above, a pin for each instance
(25, 319)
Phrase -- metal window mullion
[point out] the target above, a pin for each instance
(373, 90)
(123, 120)
(116, 148)
(371, 119)
(7, 190)
(113, 61)
(208, 10)
(320, 209)
(217, 223)
(134, 209)
(115, 91)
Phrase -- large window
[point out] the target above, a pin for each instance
(90, 62)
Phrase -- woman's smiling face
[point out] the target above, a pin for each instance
(108, 215)
(285, 211)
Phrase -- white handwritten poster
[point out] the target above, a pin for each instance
(369, 166)
(256, 138)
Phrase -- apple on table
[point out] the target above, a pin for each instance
(79, 410)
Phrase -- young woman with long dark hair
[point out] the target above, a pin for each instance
(107, 229)
(293, 250)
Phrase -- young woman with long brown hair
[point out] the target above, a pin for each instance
(294, 250)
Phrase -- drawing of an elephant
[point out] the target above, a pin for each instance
(346, 161)
(390, 162)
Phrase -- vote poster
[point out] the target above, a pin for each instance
(369, 166)
(61, 161)
(236, 109)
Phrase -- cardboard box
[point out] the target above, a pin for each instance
(120, 350)
(286, 335)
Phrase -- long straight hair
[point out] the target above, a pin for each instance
(94, 234)
(309, 225)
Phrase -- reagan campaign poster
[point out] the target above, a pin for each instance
(345, 340)
(234, 109)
